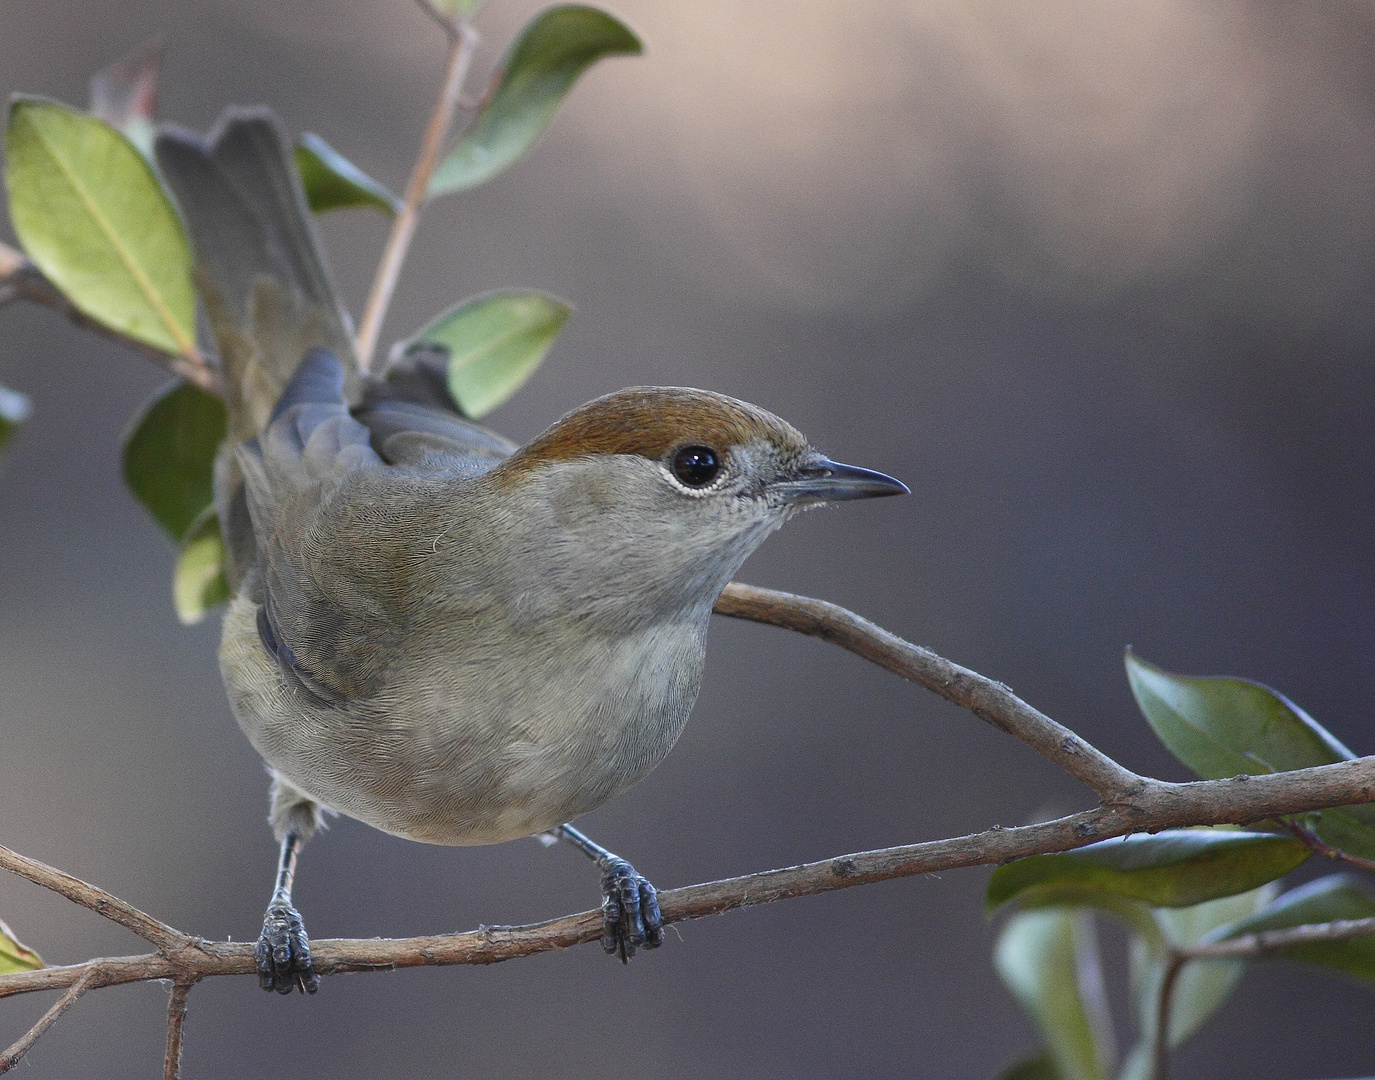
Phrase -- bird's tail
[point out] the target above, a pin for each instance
(259, 271)
(261, 279)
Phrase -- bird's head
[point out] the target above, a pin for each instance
(660, 493)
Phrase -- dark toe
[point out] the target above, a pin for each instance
(630, 911)
(283, 954)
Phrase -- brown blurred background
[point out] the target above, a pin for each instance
(1094, 279)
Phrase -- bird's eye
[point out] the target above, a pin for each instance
(696, 466)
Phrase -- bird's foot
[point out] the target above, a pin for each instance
(283, 956)
(630, 910)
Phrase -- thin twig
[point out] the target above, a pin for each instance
(445, 23)
(461, 49)
(1326, 850)
(1173, 967)
(176, 1021)
(61, 1005)
(22, 280)
(1243, 947)
(1270, 941)
(10, 261)
(156, 933)
(990, 701)
(1156, 806)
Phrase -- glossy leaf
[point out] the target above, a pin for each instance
(169, 455)
(1042, 956)
(1200, 989)
(1338, 896)
(331, 181)
(494, 343)
(125, 94)
(1173, 868)
(93, 217)
(14, 954)
(198, 583)
(14, 410)
(534, 76)
(1223, 727)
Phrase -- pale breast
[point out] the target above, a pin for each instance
(480, 747)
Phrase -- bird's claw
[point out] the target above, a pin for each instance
(283, 956)
(630, 911)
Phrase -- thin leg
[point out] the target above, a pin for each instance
(630, 906)
(283, 956)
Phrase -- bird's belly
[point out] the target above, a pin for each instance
(468, 754)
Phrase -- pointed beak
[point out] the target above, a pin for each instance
(821, 480)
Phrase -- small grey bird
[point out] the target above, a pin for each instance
(434, 631)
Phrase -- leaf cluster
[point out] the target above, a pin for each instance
(93, 215)
(1180, 890)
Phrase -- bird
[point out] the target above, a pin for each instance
(448, 636)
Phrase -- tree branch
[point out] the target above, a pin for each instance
(176, 1022)
(1320, 847)
(1156, 806)
(988, 700)
(61, 1005)
(462, 45)
(156, 933)
(1243, 947)
(1270, 941)
(22, 280)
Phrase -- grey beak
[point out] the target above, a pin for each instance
(821, 480)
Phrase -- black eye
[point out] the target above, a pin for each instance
(696, 466)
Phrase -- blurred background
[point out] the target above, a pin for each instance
(1094, 279)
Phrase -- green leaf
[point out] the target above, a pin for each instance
(198, 583)
(1037, 1068)
(494, 343)
(125, 94)
(14, 410)
(538, 70)
(1044, 958)
(332, 181)
(1338, 896)
(1173, 868)
(1199, 990)
(15, 955)
(89, 211)
(1225, 727)
(169, 455)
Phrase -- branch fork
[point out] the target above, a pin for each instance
(1129, 803)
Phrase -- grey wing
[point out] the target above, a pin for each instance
(337, 499)
(413, 419)
(329, 519)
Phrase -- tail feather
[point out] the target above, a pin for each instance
(260, 274)
(263, 284)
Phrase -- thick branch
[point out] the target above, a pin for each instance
(1155, 806)
(156, 933)
(986, 699)
(21, 280)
